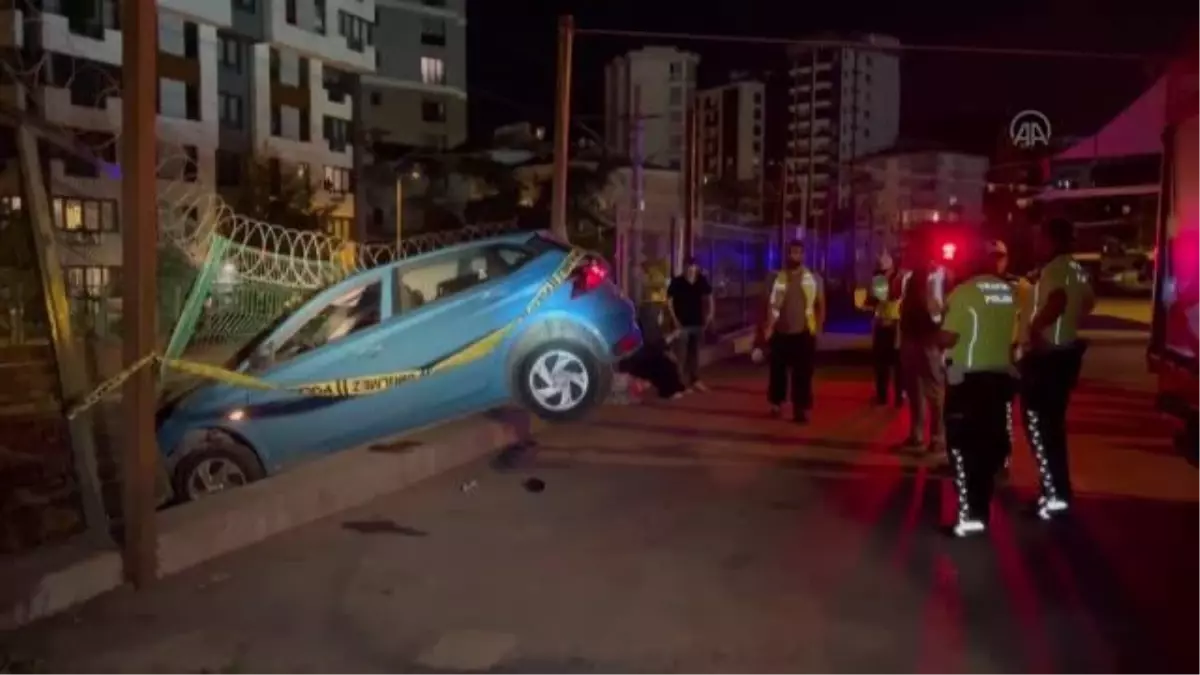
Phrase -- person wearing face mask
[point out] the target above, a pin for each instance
(795, 318)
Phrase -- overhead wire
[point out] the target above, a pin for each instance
(860, 45)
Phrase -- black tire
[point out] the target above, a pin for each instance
(599, 378)
(216, 446)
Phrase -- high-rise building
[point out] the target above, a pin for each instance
(732, 131)
(237, 78)
(650, 87)
(417, 96)
(843, 103)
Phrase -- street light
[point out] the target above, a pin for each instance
(414, 174)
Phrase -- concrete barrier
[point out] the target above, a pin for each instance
(51, 580)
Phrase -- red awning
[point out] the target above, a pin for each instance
(1136, 131)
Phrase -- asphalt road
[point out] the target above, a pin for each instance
(700, 536)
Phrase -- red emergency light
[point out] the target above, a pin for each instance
(949, 249)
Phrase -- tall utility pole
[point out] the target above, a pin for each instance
(562, 124)
(689, 177)
(358, 233)
(139, 227)
(631, 243)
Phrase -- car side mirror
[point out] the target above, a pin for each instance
(262, 357)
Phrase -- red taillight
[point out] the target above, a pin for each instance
(589, 276)
(949, 249)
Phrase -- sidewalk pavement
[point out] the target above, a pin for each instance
(49, 580)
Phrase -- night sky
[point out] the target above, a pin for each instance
(962, 100)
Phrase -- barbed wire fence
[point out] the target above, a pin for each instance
(240, 273)
(265, 266)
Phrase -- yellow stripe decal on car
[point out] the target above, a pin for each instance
(346, 386)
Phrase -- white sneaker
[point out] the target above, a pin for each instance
(1048, 508)
(700, 387)
(966, 528)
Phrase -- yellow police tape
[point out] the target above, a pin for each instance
(346, 386)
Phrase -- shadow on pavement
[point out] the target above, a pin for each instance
(1113, 589)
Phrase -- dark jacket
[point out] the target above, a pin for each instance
(650, 317)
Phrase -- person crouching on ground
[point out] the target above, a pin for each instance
(654, 362)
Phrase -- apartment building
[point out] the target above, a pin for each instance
(899, 189)
(415, 100)
(732, 124)
(417, 94)
(843, 103)
(650, 87)
(237, 78)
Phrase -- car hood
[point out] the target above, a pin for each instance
(200, 400)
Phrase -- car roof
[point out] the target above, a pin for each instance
(515, 238)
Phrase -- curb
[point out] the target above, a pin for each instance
(49, 581)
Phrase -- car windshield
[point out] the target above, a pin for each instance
(352, 312)
(255, 342)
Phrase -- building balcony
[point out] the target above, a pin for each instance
(218, 14)
(89, 41)
(62, 107)
(338, 104)
(328, 46)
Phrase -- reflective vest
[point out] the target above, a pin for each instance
(886, 309)
(811, 288)
(1066, 274)
(982, 311)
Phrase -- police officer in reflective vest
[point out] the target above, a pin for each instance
(1051, 359)
(795, 317)
(885, 356)
(997, 252)
(977, 331)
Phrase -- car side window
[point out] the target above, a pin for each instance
(354, 311)
(448, 275)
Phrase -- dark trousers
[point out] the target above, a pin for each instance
(1047, 379)
(885, 356)
(792, 361)
(654, 364)
(688, 350)
(977, 439)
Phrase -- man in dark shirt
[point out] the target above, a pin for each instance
(691, 309)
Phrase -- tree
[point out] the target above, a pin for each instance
(281, 196)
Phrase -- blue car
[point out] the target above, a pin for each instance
(406, 316)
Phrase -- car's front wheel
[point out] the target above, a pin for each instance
(218, 462)
(560, 381)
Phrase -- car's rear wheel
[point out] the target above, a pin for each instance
(215, 463)
(560, 381)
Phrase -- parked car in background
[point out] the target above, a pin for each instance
(408, 315)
